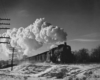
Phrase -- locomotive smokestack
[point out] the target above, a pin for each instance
(65, 43)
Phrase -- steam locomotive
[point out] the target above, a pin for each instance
(60, 54)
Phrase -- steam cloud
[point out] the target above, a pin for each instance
(32, 37)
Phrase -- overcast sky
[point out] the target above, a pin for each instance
(79, 18)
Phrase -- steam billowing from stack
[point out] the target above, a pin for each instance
(32, 37)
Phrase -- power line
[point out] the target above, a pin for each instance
(7, 19)
(4, 23)
(4, 42)
(5, 28)
(1, 23)
(5, 37)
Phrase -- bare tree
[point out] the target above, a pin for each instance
(82, 56)
(95, 56)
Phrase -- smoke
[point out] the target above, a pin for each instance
(33, 37)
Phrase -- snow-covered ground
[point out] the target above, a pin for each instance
(45, 71)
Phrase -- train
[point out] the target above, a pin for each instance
(60, 54)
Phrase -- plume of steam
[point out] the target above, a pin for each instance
(33, 37)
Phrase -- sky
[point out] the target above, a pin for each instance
(79, 18)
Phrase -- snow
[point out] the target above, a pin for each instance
(45, 71)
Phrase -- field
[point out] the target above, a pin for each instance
(45, 71)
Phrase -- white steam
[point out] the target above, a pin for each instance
(33, 37)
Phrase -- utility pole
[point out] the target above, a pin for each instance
(5, 28)
(12, 58)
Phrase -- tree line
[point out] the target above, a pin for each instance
(86, 56)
